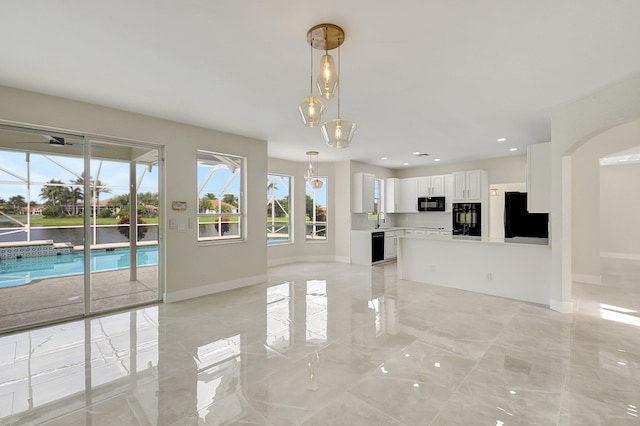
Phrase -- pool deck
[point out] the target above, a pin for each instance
(63, 297)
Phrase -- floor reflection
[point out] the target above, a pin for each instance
(328, 344)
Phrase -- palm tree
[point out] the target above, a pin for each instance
(97, 187)
(75, 195)
(17, 203)
(53, 192)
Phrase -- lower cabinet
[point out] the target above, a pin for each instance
(390, 246)
(391, 243)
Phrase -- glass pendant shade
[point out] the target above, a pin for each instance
(338, 133)
(317, 183)
(311, 110)
(327, 80)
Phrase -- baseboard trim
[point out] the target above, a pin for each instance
(299, 259)
(207, 289)
(562, 307)
(626, 256)
(586, 278)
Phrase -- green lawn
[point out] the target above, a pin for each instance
(74, 220)
(78, 221)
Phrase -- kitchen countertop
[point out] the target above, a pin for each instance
(398, 228)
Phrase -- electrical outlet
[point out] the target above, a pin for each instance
(489, 276)
(433, 268)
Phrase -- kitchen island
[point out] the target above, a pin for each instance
(515, 271)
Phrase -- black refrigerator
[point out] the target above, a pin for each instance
(520, 225)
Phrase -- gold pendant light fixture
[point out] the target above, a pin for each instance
(311, 108)
(311, 175)
(339, 132)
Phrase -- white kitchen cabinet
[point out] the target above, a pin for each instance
(470, 186)
(363, 193)
(539, 178)
(448, 193)
(431, 186)
(391, 195)
(408, 200)
(390, 245)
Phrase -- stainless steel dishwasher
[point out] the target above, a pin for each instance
(377, 246)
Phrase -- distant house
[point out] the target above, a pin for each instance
(36, 209)
(228, 208)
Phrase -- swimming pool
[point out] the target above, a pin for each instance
(15, 272)
(272, 240)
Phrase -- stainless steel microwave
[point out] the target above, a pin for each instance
(431, 204)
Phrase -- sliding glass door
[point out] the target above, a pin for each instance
(66, 246)
(123, 213)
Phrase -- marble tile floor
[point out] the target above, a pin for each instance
(336, 344)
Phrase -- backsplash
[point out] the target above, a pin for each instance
(360, 221)
(423, 220)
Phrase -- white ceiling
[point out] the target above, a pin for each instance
(444, 77)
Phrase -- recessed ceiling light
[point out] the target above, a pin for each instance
(502, 139)
(436, 159)
(405, 164)
(416, 153)
(383, 158)
(513, 149)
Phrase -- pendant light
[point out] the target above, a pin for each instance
(327, 80)
(338, 133)
(311, 108)
(310, 175)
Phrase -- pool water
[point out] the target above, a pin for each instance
(15, 272)
(272, 240)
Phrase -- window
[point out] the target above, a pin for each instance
(278, 201)
(220, 196)
(316, 211)
(377, 199)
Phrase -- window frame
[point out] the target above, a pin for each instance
(378, 199)
(311, 222)
(289, 212)
(226, 161)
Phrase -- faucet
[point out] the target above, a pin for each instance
(378, 219)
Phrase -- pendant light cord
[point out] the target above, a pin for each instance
(339, 73)
(311, 67)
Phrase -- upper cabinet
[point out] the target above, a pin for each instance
(363, 193)
(448, 186)
(432, 186)
(470, 186)
(408, 199)
(539, 178)
(391, 195)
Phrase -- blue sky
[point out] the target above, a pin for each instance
(114, 174)
(281, 190)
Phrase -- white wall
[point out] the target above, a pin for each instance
(571, 126)
(585, 197)
(191, 270)
(619, 211)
